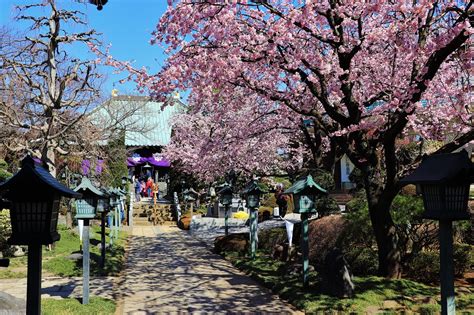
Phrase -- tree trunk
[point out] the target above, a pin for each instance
(48, 158)
(389, 255)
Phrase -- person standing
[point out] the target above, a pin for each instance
(138, 188)
(149, 187)
(281, 200)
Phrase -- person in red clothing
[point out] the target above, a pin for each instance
(149, 187)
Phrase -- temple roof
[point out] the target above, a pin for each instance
(145, 122)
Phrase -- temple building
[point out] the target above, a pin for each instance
(147, 127)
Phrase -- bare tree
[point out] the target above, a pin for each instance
(45, 92)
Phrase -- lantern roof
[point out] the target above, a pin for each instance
(226, 188)
(305, 185)
(32, 176)
(86, 187)
(442, 168)
(253, 187)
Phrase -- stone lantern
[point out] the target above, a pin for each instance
(305, 191)
(444, 180)
(253, 192)
(226, 194)
(34, 196)
(190, 196)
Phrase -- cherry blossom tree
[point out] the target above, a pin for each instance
(366, 74)
(255, 138)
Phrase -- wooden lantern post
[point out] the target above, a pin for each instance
(305, 192)
(226, 195)
(445, 180)
(34, 196)
(86, 208)
(252, 193)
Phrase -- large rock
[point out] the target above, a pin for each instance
(283, 252)
(238, 243)
(18, 251)
(11, 305)
(337, 278)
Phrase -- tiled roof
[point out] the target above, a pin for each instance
(146, 123)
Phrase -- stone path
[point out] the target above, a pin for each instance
(168, 271)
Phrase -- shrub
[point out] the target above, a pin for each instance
(5, 230)
(362, 261)
(268, 239)
(323, 236)
(429, 309)
(415, 234)
(326, 205)
(463, 256)
(4, 173)
(464, 231)
(236, 242)
(424, 267)
(324, 179)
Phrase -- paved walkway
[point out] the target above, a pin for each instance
(168, 271)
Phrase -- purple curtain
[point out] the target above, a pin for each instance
(150, 160)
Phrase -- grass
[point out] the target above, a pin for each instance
(370, 292)
(96, 306)
(57, 263)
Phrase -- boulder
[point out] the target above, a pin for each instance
(238, 242)
(283, 252)
(337, 278)
(75, 256)
(18, 251)
(11, 305)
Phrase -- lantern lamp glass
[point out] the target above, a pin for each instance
(304, 203)
(253, 200)
(34, 221)
(226, 199)
(446, 201)
(85, 208)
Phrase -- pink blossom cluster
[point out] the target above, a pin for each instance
(349, 65)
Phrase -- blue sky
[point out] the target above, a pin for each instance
(126, 24)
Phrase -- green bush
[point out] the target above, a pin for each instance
(4, 173)
(324, 179)
(362, 261)
(425, 267)
(429, 309)
(463, 256)
(268, 239)
(326, 205)
(5, 230)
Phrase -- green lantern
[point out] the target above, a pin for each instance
(226, 194)
(253, 192)
(87, 205)
(304, 193)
